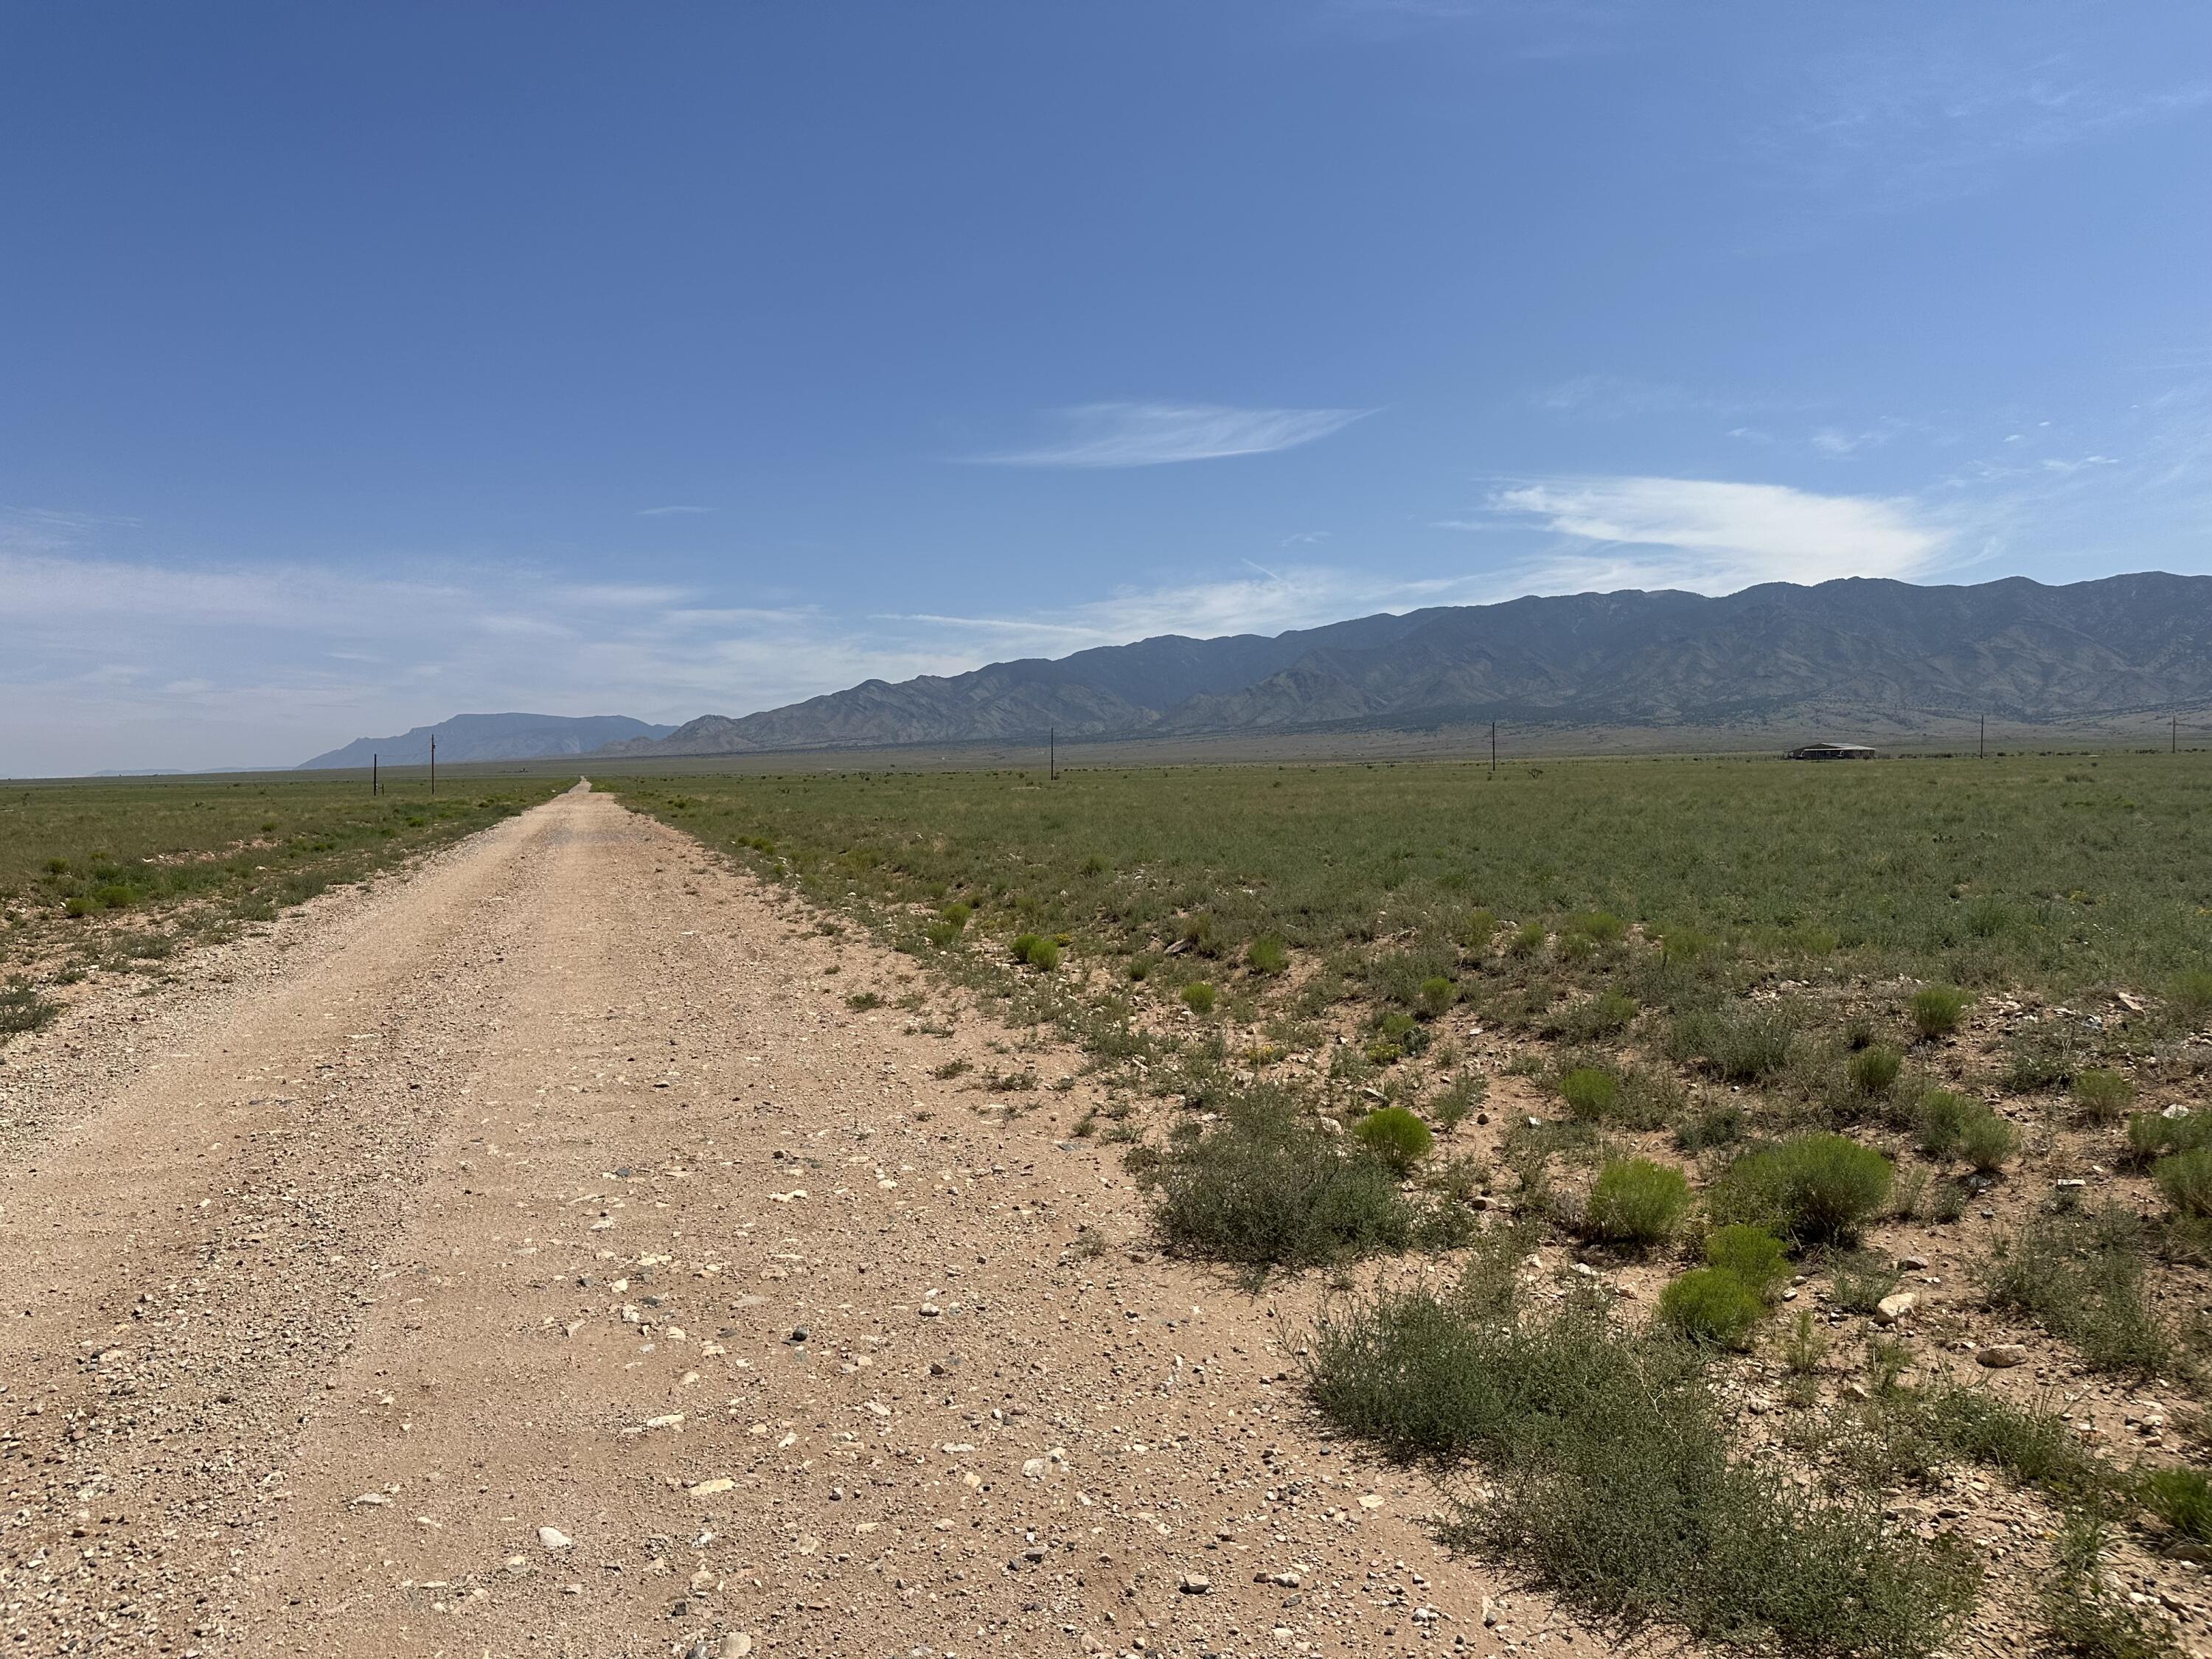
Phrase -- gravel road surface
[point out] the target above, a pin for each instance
(534, 1255)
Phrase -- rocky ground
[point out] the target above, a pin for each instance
(535, 1253)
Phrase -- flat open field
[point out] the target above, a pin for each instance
(1924, 1036)
(1233, 1211)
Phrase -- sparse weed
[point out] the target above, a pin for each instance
(1936, 1010)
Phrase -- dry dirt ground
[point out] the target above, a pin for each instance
(534, 1255)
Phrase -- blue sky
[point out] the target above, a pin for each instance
(365, 365)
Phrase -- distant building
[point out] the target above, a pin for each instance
(1835, 752)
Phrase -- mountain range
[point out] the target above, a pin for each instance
(492, 738)
(1880, 654)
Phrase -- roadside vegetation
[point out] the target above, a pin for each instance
(1874, 1094)
(106, 877)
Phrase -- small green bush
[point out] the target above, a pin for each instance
(1479, 928)
(1941, 1122)
(1712, 1308)
(1637, 1201)
(1266, 1187)
(1198, 997)
(2152, 1134)
(1266, 955)
(1751, 1253)
(1743, 1048)
(1528, 938)
(2186, 1181)
(2182, 1499)
(956, 913)
(1989, 1142)
(22, 1009)
(1035, 951)
(1457, 1103)
(1874, 1070)
(942, 933)
(1438, 996)
(1395, 1135)
(2102, 1096)
(1611, 1474)
(1816, 1189)
(1591, 1091)
(1936, 1010)
(1601, 926)
(2082, 1277)
(2192, 996)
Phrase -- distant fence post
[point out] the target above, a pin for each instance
(1493, 750)
(433, 763)
(374, 787)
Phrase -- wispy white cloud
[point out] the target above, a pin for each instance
(1935, 116)
(1117, 434)
(1712, 536)
(670, 511)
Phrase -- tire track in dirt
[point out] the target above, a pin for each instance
(575, 1198)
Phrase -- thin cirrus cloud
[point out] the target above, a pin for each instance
(1711, 536)
(1121, 435)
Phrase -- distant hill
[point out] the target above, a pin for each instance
(493, 738)
(1886, 655)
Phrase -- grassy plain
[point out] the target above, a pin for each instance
(108, 872)
(1744, 1023)
(2053, 873)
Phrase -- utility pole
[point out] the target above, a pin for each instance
(1052, 753)
(1494, 752)
(2173, 742)
(433, 763)
(1981, 745)
(374, 787)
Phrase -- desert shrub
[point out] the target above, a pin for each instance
(1742, 1047)
(1526, 940)
(1266, 955)
(1861, 1279)
(22, 1009)
(1267, 1188)
(1610, 1477)
(2192, 996)
(1818, 1188)
(1940, 1122)
(1591, 1091)
(861, 1001)
(1874, 1070)
(1035, 951)
(2153, 1134)
(1709, 1124)
(1395, 1135)
(1989, 1141)
(1198, 997)
(1635, 1201)
(2184, 1180)
(1456, 1103)
(2081, 1278)
(941, 933)
(1936, 1010)
(1437, 994)
(2032, 1444)
(2084, 1614)
(1601, 926)
(2101, 1095)
(1751, 1253)
(1593, 1019)
(2182, 1499)
(956, 913)
(1711, 1307)
(1478, 930)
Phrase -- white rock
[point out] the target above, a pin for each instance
(1891, 1308)
(554, 1538)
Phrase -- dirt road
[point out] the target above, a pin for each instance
(536, 1255)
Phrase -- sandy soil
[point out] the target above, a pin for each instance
(535, 1255)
